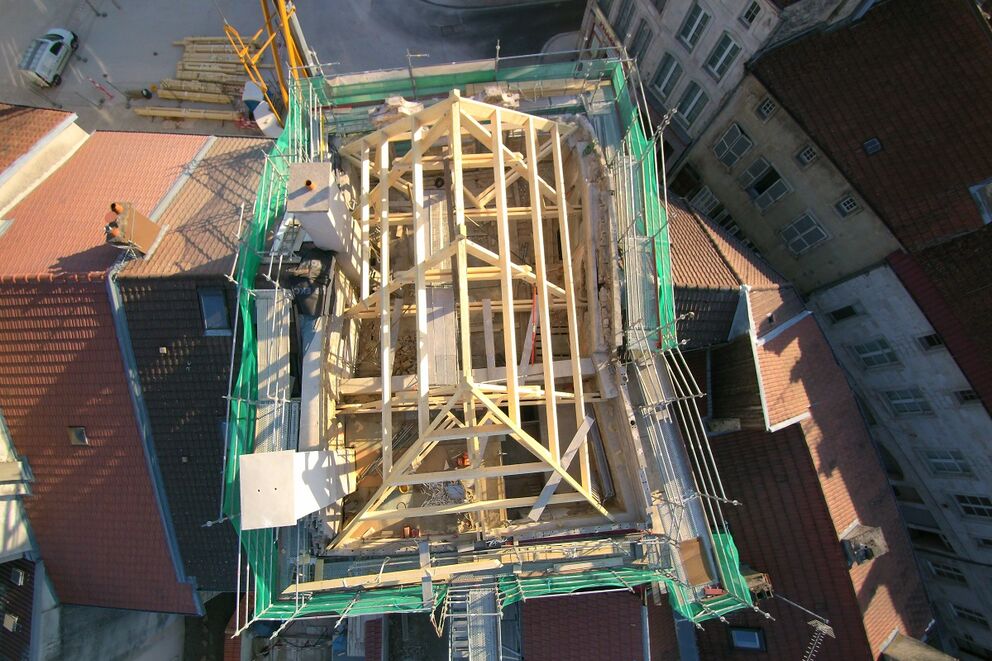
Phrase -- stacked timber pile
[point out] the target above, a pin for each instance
(209, 72)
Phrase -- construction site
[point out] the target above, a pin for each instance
(460, 383)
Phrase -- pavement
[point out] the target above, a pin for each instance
(126, 45)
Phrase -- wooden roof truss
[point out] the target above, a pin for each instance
(475, 410)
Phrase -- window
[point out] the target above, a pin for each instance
(750, 14)
(77, 436)
(982, 193)
(840, 314)
(734, 144)
(18, 576)
(947, 572)
(722, 56)
(622, 22)
(659, 5)
(765, 108)
(605, 6)
(746, 638)
(10, 623)
(967, 396)
(642, 38)
(704, 201)
(973, 648)
(803, 233)
(56, 48)
(872, 146)
(876, 353)
(908, 401)
(847, 205)
(806, 155)
(691, 104)
(763, 183)
(984, 542)
(667, 76)
(693, 25)
(907, 494)
(969, 615)
(947, 462)
(979, 506)
(930, 342)
(213, 307)
(928, 539)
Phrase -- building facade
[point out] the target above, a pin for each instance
(933, 433)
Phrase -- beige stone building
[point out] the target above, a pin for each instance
(755, 170)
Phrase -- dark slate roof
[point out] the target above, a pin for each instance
(916, 75)
(17, 600)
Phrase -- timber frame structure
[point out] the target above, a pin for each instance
(474, 411)
(498, 363)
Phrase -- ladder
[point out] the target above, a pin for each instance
(473, 624)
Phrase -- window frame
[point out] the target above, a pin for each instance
(951, 457)
(607, 10)
(697, 105)
(74, 437)
(730, 147)
(969, 615)
(759, 636)
(967, 397)
(855, 312)
(699, 25)
(869, 352)
(904, 397)
(214, 331)
(644, 33)
(802, 234)
(987, 505)
(743, 17)
(804, 162)
(761, 104)
(946, 572)
(625, 15)
(726, 59)
(923, 341)
(843, 211)
(672, 78)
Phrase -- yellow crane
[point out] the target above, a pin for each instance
(278, 16)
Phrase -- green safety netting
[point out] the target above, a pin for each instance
(260, 546)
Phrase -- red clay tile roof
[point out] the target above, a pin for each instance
(799, 372)
(951, 285)
(704, 255)
(22, 127)
(203, 217)
(917, 75)
(58, 228)
(93, 510)
(593, 627)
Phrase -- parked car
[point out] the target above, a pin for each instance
(46, 57)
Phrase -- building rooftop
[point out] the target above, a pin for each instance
(57, 229)
(911, 75)
(23, 127)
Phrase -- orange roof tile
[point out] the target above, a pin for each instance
(22, 127)
(58, 228)
(203, 217)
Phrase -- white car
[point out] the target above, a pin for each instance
(46, 57)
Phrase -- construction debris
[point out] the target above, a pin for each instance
(494, 95)
(394, 108)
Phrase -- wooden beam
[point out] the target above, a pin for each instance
(480, 473)
(572, 314)
(474, 307)
(462, 433)
(475, 506)
(487, 330)
(406, 277)
(385, 342)
(366, 248)
(514, 118)
(400, 129)
(420, 243)
(539, 451)
(393, 578)
(578, 441)
(488, 193)
(517, 271)
(475, 215)
(543, 310)
(405, 462)
(503, 261)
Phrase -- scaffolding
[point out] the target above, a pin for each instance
(338, 106)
